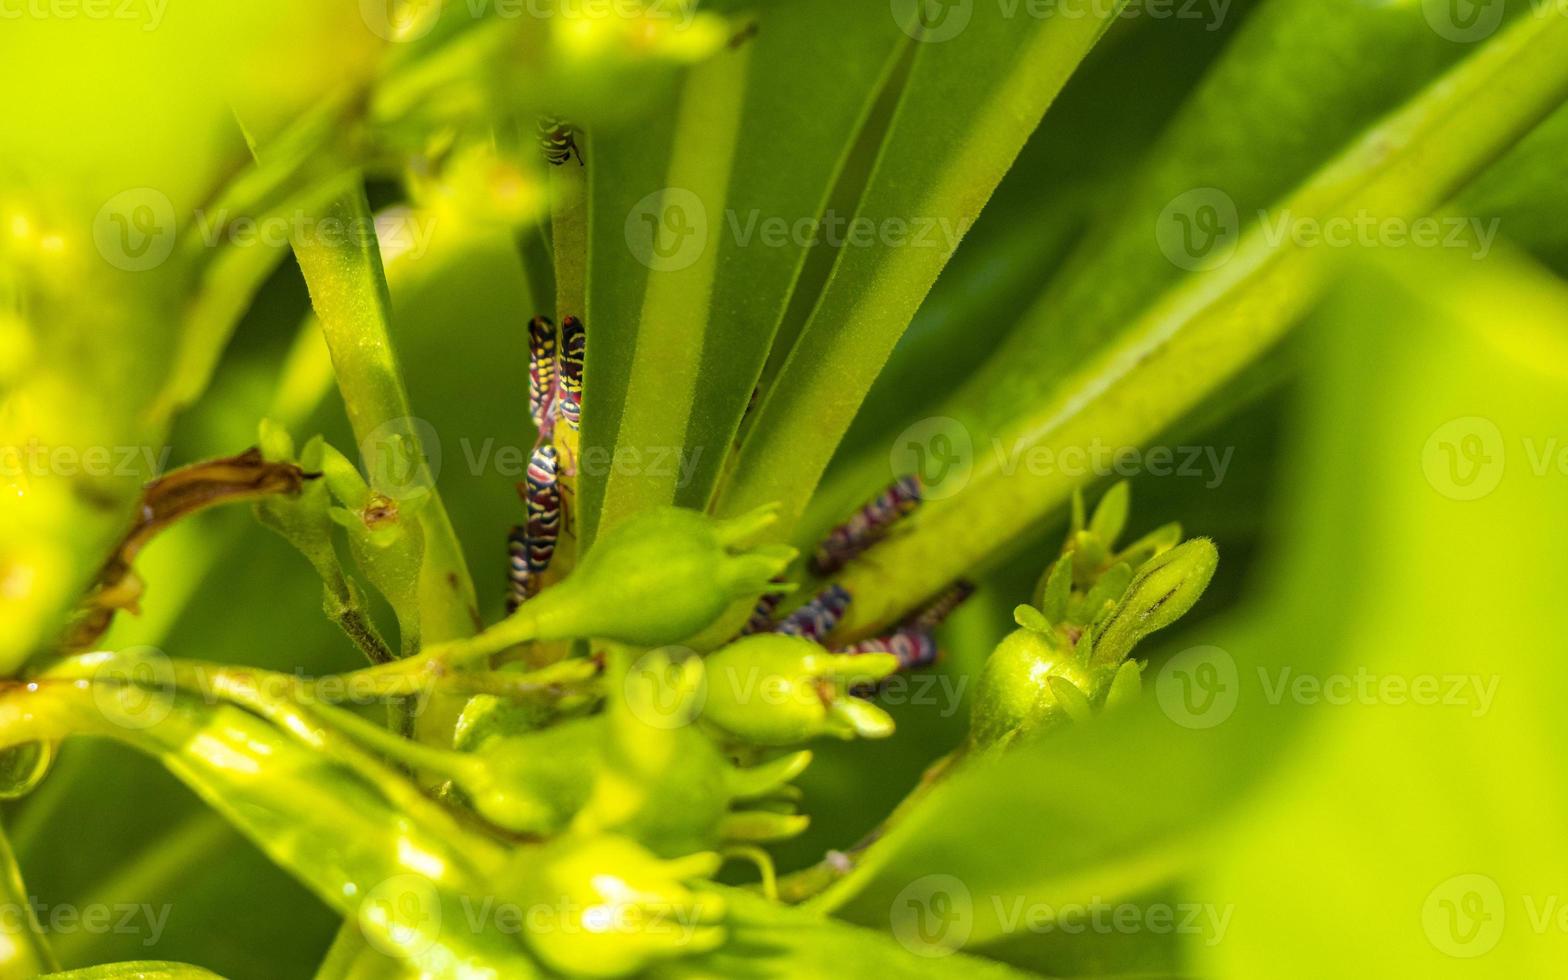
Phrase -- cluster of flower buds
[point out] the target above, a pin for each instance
(774, 689)
(1069, 656)
(643, 767)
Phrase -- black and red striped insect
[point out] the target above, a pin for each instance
(558, 140)
(543, 374)
(531, 547)
(914, 642)
(914, 648)
(761, 620)
(574, 351)
(519, 579)
(943, 606)
(544, 508)
(867, 526)
(818, 617)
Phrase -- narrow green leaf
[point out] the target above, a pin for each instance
(968, 106)
(25, 952)
(673, 321)
(699, 237)
(137, 970)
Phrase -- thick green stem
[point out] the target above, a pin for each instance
(342, 266)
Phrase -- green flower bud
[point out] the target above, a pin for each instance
(772, 689)
(534, 783)
(621, 909)
(1015, 695)
(659, 578)
(1068, 659)
(1161, 593)
(664, 782)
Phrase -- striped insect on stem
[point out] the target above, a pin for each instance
(544, 508)
(943, 606)
(818, 617)
(543, 373)
(914, 648)
(914, 642)
(532, 546)
(558, 140)
(867, 526)
(519, 579)
(574, 352)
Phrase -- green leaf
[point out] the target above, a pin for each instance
(26, 951)
(139, 970)
(1410, 786)
(689, 281)
(967, 107)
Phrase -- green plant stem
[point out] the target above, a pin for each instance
(432, 662)
(26, 952)
(276, 698)
(349, 293)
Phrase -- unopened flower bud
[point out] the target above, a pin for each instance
(772, 689)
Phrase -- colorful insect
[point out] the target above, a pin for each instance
(818, 617)
(574, 350)
(867, 526)
(542, 374)
(937, 612)
(761, 620)
(544, 508)
(559, 141)
(519, 579)
(914, 648)
(532, 546)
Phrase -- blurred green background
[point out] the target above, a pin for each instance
(1345, 759)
